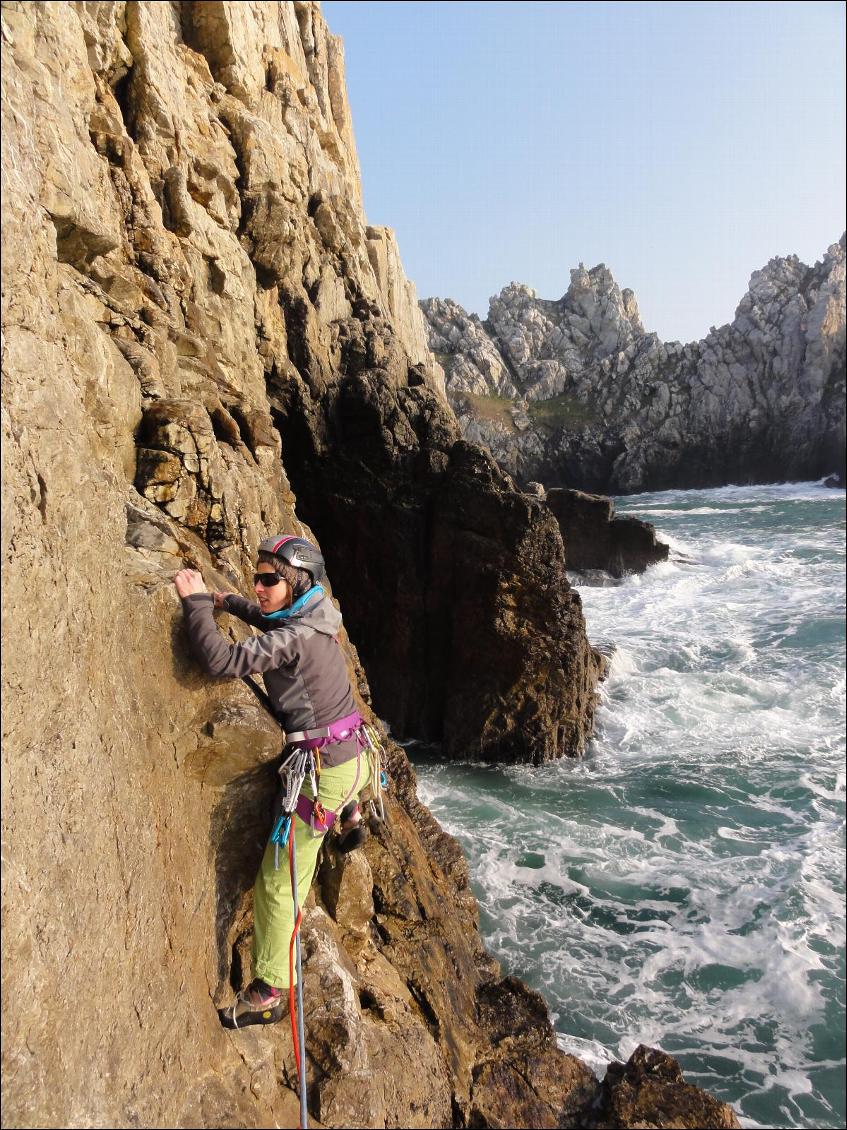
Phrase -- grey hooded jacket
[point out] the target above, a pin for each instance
(300, 658)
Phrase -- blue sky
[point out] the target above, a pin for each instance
(681, 144)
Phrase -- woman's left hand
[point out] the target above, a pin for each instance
(188, 582)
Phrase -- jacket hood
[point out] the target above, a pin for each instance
(319, 614)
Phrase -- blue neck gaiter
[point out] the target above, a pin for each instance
(299, 604)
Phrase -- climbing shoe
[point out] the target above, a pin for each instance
(259, 1003)
(352, 832)
(352, 839)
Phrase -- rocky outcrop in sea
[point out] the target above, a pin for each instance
(575, 393)
(204, 341)
(598, 538)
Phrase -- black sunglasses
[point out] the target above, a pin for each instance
(266, 580)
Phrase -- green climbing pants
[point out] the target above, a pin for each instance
(273, 903)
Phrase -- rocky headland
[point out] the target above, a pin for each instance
(575, 393)
(204, 341)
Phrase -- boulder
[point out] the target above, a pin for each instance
(649, 1091)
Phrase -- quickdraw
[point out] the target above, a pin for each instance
(292, 773)
(318, 816)
(379, 778)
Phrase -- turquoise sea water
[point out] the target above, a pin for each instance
(683, 884)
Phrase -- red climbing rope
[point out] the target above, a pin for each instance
(292, 1000)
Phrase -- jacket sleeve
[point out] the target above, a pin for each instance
(233, 661)
(245, 610)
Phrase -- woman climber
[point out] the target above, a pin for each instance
(306, 679)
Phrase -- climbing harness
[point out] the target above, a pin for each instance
(303, 761)
(305, 758)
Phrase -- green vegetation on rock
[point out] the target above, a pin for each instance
(494, 409)
(561, 411)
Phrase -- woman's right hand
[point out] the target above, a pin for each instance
(220, 597)
(189, 582)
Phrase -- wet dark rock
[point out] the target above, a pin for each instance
(649, 1091)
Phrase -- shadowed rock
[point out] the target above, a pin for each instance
(595, 538)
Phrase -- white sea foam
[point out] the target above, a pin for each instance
(623, 663)
(676, 546)
(596, 1055)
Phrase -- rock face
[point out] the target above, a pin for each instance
(196, 314)
(595, 538)
(575, 393)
